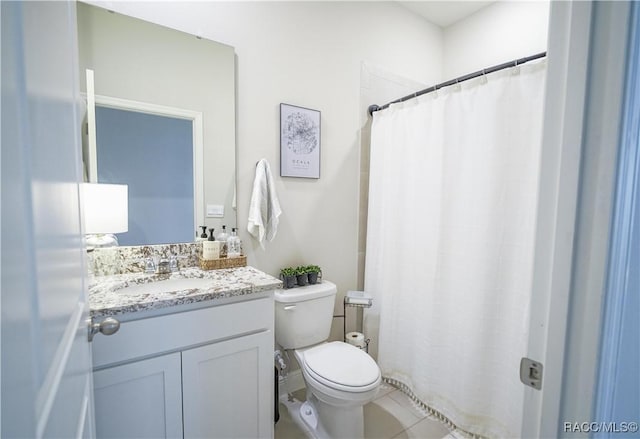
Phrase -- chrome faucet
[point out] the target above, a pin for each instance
(173, 263)
(149, 265)
(163, 266)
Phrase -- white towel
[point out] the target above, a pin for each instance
(264, 208)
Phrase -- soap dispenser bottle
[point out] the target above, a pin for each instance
(222, 237)
(234, 245)
(203, 235)
(211, 248)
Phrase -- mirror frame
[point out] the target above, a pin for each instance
(196, 119)
(215, 168)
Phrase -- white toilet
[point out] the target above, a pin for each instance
(340, 378)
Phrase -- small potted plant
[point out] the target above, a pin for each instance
(313, 271)
(301, 275)
(288, 276)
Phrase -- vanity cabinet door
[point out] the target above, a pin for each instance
(142, 399)
(227, 388)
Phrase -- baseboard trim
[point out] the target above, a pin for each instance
(295, 381)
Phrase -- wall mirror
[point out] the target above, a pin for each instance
(164, 124)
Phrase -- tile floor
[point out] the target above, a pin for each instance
(391, 415)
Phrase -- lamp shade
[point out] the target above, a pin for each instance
(105, 207)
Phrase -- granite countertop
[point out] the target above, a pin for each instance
(106, 297)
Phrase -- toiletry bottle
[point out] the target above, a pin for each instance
(222, 238)
(210, 248)
(203, 235)
(234, 245)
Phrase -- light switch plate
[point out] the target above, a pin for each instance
(215, 211)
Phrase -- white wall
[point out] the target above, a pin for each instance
(307, 54)
(499, 33)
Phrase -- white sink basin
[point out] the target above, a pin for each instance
(166, 286)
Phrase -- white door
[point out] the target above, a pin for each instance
(46, 357)
(585, 85)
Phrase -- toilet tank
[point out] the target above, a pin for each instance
(304, 314)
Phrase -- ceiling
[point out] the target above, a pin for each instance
(445, 13)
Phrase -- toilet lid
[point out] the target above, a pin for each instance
(342, 364)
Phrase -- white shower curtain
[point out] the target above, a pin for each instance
(452, 199)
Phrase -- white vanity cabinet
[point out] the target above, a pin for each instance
(140, 399)
(195, 374)
(236, 368)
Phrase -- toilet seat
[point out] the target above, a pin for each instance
(341, 366)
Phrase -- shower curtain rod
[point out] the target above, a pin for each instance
(506, 65)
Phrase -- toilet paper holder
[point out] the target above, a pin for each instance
(356, 299)
(360, 299)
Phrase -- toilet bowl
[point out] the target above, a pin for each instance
(340, 378)
(339, 374)
(336, 397)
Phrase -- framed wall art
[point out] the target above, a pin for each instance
(299, 142)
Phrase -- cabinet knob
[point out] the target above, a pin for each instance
(108, 326)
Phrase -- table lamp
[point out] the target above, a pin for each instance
(106, 211)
